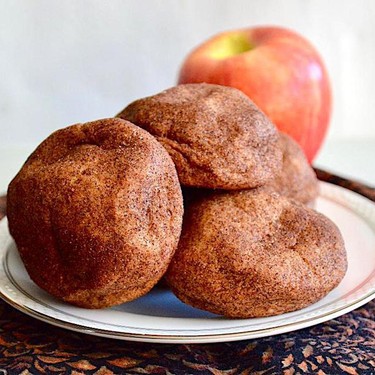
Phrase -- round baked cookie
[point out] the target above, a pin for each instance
(253, 254)
(96, 213)
(296, 179)
(215, 135)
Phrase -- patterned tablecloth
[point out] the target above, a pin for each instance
(345, 345)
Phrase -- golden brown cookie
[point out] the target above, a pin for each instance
(254, 253)
(215, 135)
(96, 213)
(296, 179)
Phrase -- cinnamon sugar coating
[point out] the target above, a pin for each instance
(254, 253)
(215, 135)
(96, 213)
(296, 179)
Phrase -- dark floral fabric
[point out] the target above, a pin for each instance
(345, 345)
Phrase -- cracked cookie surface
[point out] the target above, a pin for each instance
(96, 213)
(215, 135)
(254, 253)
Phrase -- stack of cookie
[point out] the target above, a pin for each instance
(101, 205)
(248, 246)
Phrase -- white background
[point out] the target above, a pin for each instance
(69, 61)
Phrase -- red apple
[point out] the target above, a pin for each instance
(278, 69)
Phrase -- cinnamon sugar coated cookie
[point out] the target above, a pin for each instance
(215, 135)
(96, 213)
(296, 179)
(255, 253)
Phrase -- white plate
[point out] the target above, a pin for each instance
(160, 317)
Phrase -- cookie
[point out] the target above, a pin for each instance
(255, 254)
(96, 213)
(296, 179)
(215, 135)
